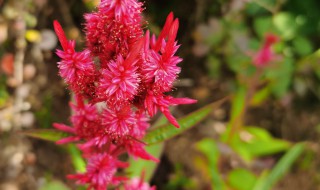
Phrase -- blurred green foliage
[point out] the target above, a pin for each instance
(234, 38)
(231, 42)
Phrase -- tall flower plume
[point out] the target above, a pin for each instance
(118, 93)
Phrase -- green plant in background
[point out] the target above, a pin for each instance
(232, 39)
(244, 179)
(44, 116)
(249, 142)
(3, 91)
(234, 42)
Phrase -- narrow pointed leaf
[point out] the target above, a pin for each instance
(165, 132)
(78, 162)
(281, 168)
(54, 185)
(210, 149)
(45, 134)
(139, 166)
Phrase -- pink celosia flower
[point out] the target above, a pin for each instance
(114, 28)
(153, 102)
(77, 68)
(265, 54)
(141, 124)
(137, 151)
(85, 123)
(118, 121)
(116, 94)
(101, 169)
(120, 81)
(160, 65)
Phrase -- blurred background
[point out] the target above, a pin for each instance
(265, 136)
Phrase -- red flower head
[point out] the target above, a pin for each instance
(77, 68)
(265, 54)
(118, 121)
(119, 81)
(114, 28)
(100, 172)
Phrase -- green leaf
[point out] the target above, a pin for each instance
(4, 95)
(45, 134)
(76, 158)
(238, 102)
(238, 105)
(54, 185)
(261, 180)
(165, 132)
(302, 46)
(263, 25)
(138, 166)
(281, 77)
(249, 142)
(214, 66)
(281, 168)
(239, 63)
(242, 179)
(260, 96)
(209, 148)
(286, 25)
(262, 138)
(254, 9)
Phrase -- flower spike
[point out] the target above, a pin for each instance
(61, 35)
(119, 81)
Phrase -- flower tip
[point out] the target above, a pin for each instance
(192, 101)
(174, 30)
(155, 159)
(61, 35)
(170, 16)
(271, 39)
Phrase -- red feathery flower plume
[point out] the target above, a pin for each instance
(116, 94)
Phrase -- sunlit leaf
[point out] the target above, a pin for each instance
(286, 25)
(54, 185)
(76, 158)
(242, 179)
(249, 142)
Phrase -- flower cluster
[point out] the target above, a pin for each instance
(119, 81)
